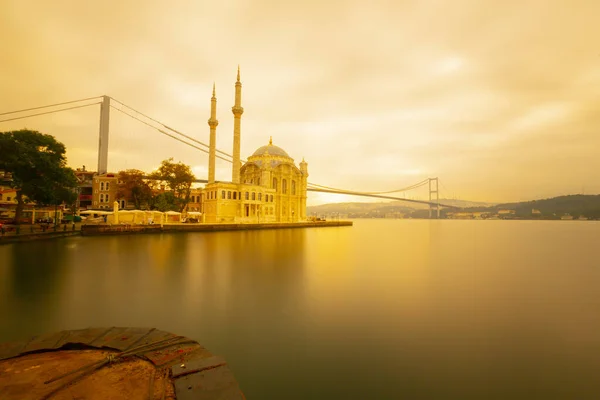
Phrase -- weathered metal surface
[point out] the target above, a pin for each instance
(11, 349)
(171, 354)
(44, 342)
(120, 338)
(196, 365)
(202, 376)
(153, 336)
(211, 384)
(200, 352)
(83, 336)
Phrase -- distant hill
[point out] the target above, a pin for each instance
(552, 208)
(576, 205)
(382, 208)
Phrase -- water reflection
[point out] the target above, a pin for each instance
(33, 278)
(382, 310)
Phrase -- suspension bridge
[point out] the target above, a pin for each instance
(107, 103)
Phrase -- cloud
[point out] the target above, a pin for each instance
(498, 100)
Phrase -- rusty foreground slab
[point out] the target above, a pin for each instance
(113, 363)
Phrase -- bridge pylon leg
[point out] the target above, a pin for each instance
(433, 189)
(103, 137)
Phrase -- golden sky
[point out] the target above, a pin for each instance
(499, 99)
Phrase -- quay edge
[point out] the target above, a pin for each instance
(91, 230)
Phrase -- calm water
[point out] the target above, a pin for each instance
(387, 309)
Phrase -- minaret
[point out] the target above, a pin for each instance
(237, 119)
(303, 187)
(212, 122)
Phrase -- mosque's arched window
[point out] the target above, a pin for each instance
(235, 195)
(258, 181)
(106, 198)
(253, 195)
(247, 196)
(275, 184)
(222, 194)
(101, 197)
(283, 186)
(293, 188)
(107, 185)
(101, 185)
(271, 198)
(229, 194)
(260, 197)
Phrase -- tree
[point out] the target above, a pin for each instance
(37, 163)
(134, 187)
(165, 201)
(178, 177)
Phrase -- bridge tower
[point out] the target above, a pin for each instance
(237, 119)
(103, 136)
(433, 190)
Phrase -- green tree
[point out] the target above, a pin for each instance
(178, 177)
(134, 188)
(165, 201)
(37, 163)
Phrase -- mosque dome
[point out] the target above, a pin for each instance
(272, 150)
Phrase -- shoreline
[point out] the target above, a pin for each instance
(115, 230)
(97, 230)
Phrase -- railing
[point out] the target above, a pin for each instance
(35, 229)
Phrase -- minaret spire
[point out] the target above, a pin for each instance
(212, 145)
(237, 119)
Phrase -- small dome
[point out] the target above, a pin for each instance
(272, 150)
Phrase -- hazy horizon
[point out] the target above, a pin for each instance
(500, 101)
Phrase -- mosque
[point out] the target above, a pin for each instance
(267, 188)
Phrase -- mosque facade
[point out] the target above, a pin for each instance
(268, 187)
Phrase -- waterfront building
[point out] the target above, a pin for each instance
(269, 187)
(506, 212)
(195, 203)
(85, 181)
(392, 215)
(104, 191)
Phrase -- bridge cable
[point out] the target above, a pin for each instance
(349, 192)
(49, 112)
(416, 185)
(389, 191)
(52, 105)
(171, 129)
(383, 197)
(166, 133)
